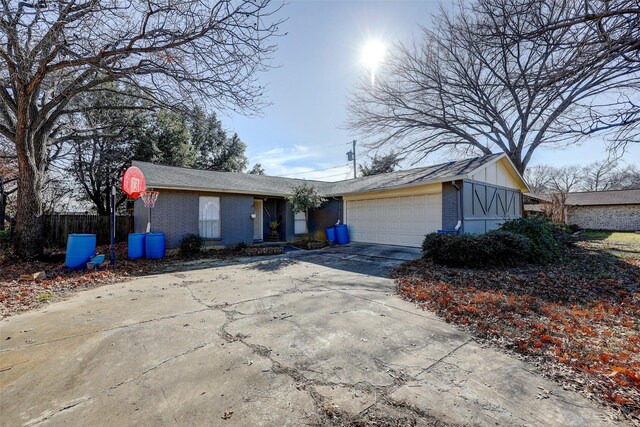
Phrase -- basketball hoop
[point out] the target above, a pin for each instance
(133, 182)
(149, 198)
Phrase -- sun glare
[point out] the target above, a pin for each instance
(373, 54)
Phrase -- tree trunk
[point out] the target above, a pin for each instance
(28, 231)
(3, 205)
(31, 150)
(516, 159)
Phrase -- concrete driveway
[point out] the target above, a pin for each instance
(310, 338)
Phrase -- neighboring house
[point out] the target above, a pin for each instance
(617, 210)
(396, 208)
(604, 210)
(536, 204)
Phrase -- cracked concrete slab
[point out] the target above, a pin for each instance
(479, 386)
(198, 388)
(310, 338)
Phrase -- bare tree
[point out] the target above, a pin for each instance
(612, 28)
(8, 178)
(607, 174)
(58, 194)
(538, 178)
(614, 23)
(472, 84)
(566, 179)
(174, 52)
(563, 181)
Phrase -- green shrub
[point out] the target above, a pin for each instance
(563, 233)
(454, 250)
(191, 245)
(492, 249)
(564, 228)
(4, 235)
(506, 248)
(545, 248)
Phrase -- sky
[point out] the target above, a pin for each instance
(302, 134)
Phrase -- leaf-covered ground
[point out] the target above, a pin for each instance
(17, 296)
(578, 319)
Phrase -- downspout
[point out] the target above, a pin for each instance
(458, 206)
(340, 210)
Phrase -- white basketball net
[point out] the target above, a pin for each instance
(149, 198)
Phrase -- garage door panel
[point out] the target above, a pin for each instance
(394, 220)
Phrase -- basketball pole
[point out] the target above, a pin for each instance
(113, 224)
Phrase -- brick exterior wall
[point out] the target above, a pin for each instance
(615, 217)
(450, 209)
(176, 214)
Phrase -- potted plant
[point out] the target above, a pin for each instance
(274, 236)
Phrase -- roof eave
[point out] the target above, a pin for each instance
(602, 204)
(398, 187)
(215, 190)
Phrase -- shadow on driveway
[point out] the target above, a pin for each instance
(362, 258)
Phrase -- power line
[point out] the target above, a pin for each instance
(317, 170)
(261, 156)
(331, 176)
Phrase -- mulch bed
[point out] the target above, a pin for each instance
(308, 245)
(578, 320)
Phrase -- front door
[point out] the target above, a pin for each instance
(258, 226)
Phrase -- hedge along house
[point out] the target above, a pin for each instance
(396, 208)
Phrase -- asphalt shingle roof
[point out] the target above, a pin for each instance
(612, 197)
(593, 198)
(162, 176)
(232, 182)
(538, 196)
(410, 177)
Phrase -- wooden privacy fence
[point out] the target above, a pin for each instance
(58, 227)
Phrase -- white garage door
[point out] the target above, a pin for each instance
(395, 220)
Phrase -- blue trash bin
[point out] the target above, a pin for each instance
(135, 245)
(154, 245)
(80, 249)
(331, 234)
(342, 234)
(447, 232)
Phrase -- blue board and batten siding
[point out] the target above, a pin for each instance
(487, 206)
(327, 216)
(329, 213)
(176, 215)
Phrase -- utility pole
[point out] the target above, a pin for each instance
(354, 160)
(351, 155)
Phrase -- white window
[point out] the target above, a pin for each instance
(299, 223)
(209, 217)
